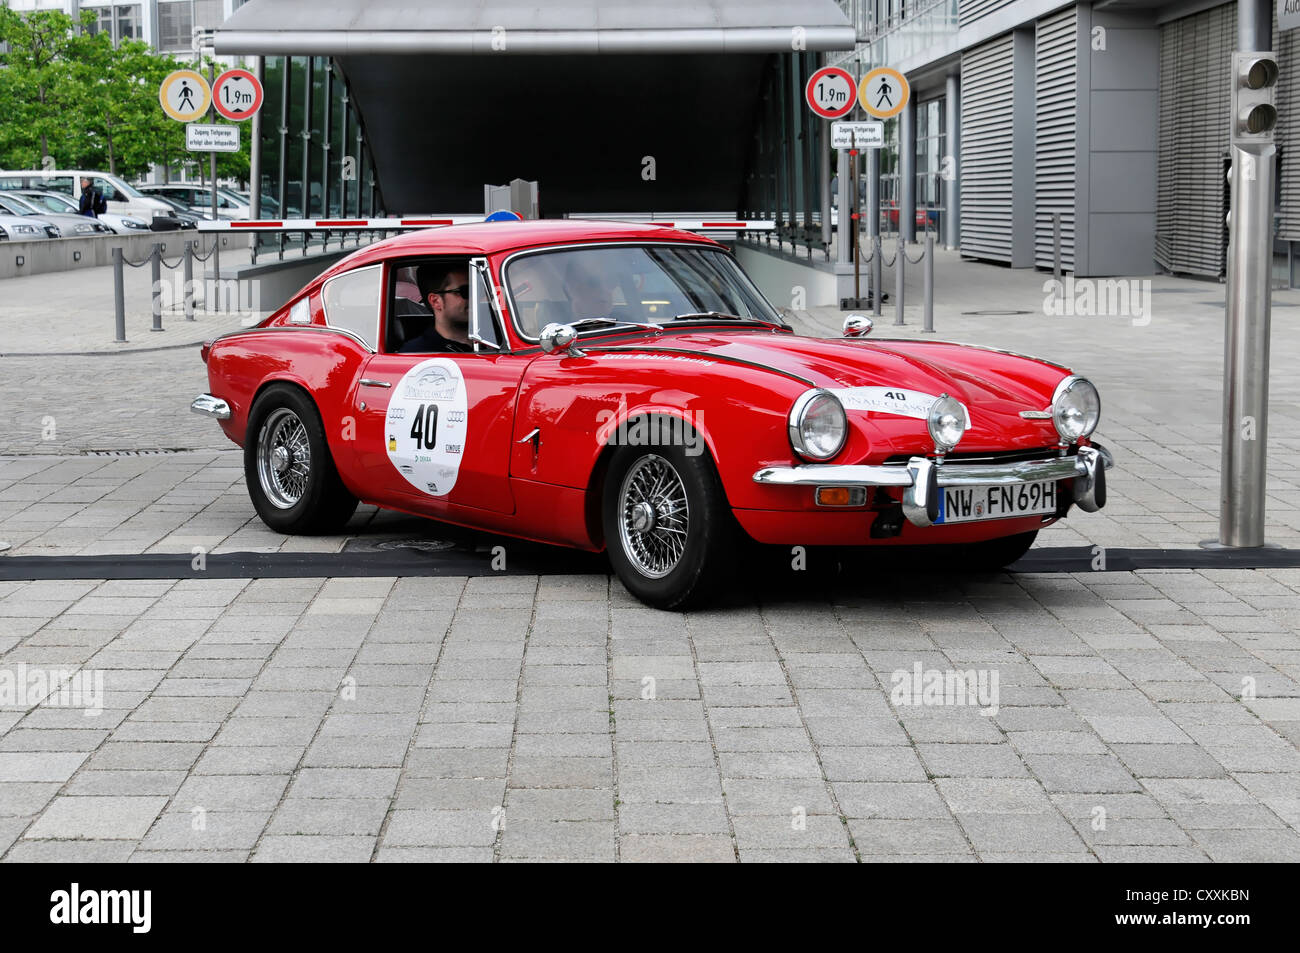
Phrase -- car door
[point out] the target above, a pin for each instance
(434, 430)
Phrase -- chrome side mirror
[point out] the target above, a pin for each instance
(560, 337)
(857, 326)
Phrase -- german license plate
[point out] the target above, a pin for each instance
(968, 504)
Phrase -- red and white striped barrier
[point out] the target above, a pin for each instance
(398, 224)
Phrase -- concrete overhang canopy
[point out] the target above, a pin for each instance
(563, 27)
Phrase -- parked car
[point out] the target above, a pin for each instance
(175, 217)
(627, 388)
(58, 202)
(122, 198)
(197, 199)
(22, 228)
(64, 224)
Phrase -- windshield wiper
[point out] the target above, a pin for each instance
(717, 316)
(584, 324)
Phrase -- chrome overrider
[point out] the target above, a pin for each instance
(922, 478)
(210, 406)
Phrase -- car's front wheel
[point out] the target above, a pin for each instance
(668, 528)
(291, 476)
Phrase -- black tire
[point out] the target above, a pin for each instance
(645, 560)
(995, 554)
(293, 494)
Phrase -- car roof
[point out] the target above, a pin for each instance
(490, 238)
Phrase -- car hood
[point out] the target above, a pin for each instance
(995, 386)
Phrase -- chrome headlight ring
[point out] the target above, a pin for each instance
(818, 425)
(1076, 408)
(946, 422)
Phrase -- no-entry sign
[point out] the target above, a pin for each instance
(237, 94)
(831, 92)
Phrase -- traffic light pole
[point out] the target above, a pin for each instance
(1243, 475)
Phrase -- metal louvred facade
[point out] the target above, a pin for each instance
(1055, 117)
(968, 11)
(987, 108)
(1195, 65)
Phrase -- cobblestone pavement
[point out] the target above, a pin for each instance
(1151, 715)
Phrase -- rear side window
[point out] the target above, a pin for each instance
(351, 303)
(106, 189)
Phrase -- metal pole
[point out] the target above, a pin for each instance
(155, 270)
(853, 221)
(188, 274)
(216, 274)
(928, 271)
(952, 184)
(119, 298)
(212, 156)
(1246, 347)
(843, 205)
(900, 259)
(824, 173)
(907, 171)
(877, 273)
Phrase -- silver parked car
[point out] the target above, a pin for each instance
(22, 228)
(63, 224)
(60, 203)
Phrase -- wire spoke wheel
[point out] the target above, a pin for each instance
(283, 458)
(654, 516)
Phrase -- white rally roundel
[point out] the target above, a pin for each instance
(425, 427)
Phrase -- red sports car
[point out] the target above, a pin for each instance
(627, 388)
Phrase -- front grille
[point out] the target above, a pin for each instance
(985, 457)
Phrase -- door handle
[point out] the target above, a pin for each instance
(367, 382)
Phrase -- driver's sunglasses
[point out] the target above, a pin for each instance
(463, 291)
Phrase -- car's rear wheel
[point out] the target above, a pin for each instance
(291, 476)
(668, 528)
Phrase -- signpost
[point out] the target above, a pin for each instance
(884, 92)
(830, 92)
(857, 135)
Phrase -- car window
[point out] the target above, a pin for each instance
(638, 283)
(351, 302)
(61, 183)
(106, 189)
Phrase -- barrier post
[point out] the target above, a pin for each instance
(119, 298)
(1056, 247)
(928, 271)
(900, 259)
(877, 273)
(155, 271)
(188, 275)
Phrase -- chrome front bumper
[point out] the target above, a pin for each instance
(210, 406)
(922, 478)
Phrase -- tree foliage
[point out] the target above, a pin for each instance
(69, 94)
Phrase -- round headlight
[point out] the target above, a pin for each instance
(1076, 408)
(818, 426)
(947, 422)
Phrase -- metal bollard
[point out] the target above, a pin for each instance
(216, 274)
(119, 298)
(877, 273)
(155, 270)
(900, 259)
(928, 271)
(188, 288)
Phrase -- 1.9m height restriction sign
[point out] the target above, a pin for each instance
(237, 94)
(831, 92)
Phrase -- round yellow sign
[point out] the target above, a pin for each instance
(883, 92)
(185, 95)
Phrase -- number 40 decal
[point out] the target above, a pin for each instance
(424, 429)
(895, 395)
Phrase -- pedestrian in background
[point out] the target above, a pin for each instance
(93, 203)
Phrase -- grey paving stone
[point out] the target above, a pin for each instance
(213, 830)
(427, 828)
(1021, 834)
(972, 760)
(329, 816)
(1168, 761)
(1080, 773)
(94, 817)
(673, 819)
(568, 840)
(280, 849)
(789, 831)
(70, 852)
(917, 836)
(677, 848)
(893, 800)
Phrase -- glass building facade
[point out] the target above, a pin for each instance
(314, 161)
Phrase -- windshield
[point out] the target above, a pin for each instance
(639, 284)
(52, 203)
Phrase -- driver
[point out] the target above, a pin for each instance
(446, 290)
